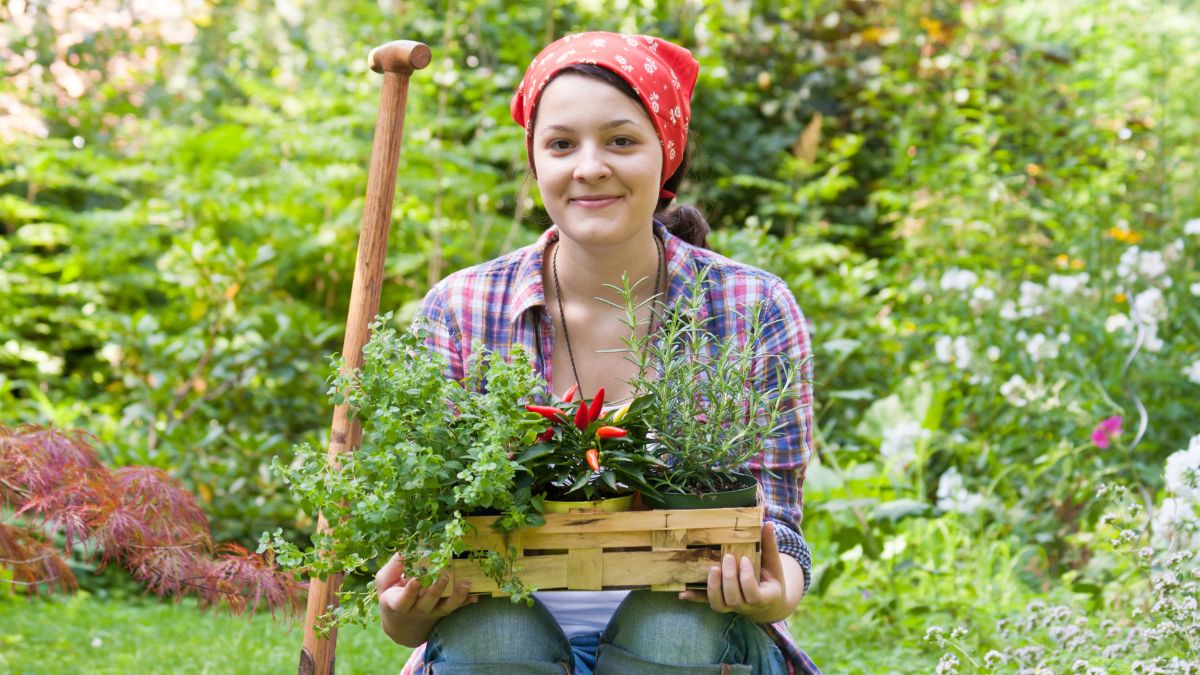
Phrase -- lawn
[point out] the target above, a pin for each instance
(84, 633)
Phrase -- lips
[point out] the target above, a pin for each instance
(595, 201)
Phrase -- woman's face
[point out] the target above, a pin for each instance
(598, 161)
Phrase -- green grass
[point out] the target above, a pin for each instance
(84, 633)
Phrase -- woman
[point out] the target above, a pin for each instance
(606, 119)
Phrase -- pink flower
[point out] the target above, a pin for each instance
(1107, 430)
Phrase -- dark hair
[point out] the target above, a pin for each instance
(683, 221)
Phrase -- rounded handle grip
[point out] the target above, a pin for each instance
(399, 56)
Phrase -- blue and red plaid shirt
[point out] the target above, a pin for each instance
(501, 303)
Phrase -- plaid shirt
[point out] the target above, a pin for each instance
(501, 303)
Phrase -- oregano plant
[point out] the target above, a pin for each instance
(433, 451)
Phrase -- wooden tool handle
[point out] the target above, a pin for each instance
(396, 60)
(399, 56)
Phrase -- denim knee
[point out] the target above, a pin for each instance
(495, 635)
(663, 628)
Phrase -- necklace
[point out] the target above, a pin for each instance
(562, 316)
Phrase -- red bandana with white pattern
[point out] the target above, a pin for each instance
(662, 74)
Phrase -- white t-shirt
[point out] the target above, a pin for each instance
(580, 612)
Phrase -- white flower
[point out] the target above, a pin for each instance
(1031, 298)
(1016, 390)
(952, 495)
(1192, 372)
(1182, 471)
(948, 665)
(1195, 289)
(1175, 523)
(993, 353)
(1039, 347)
(1067, 284)
(1148, 265)
(900, 441)
(1116, 322)
(1008, 311)
(943, 348)
(955, 279)
(955, 350)
(1149, 306)
(983, 294)
(1192, 226)
(97, 643)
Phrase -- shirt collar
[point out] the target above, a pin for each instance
(529, 292)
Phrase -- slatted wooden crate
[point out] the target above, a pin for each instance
(663, 550)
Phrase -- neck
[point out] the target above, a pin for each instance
(586, 273)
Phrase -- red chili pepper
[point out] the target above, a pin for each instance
(567, 397)
(549, 412)
(546, 435)
(611, 432)
(597, 405)
(581, 416)
(593, 458)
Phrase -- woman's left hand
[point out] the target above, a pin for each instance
(733, 587)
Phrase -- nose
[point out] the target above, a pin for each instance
(593, 164)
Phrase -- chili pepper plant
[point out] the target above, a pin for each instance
(712, 405)
(585, 454)
(433, 451)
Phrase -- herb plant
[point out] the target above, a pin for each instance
(713, 404)
(433, 451)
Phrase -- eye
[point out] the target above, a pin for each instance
(624, 142)
(559, 145)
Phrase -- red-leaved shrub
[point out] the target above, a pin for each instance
(52, 483)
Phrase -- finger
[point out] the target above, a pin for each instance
(456, 599)
(430, 596)
(771, 562)
(399, 599)
(716, 599)
(749, 581)
(694, 596)
(731, 588)
(389, 575)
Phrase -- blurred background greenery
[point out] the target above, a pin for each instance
(988, 211)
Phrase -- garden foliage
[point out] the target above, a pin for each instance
(989, 212)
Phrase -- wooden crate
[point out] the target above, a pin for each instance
(661, 550)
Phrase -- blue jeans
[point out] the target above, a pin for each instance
(649, 633)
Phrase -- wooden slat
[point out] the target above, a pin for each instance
(643, 568)
(585, 568)
(665, 540)
(750, 516)
(740, 550)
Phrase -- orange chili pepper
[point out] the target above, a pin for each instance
(549, 412)
(611, 432)
(593, 459)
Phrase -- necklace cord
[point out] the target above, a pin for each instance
(562, 316)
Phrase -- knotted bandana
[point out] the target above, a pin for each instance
(662, 74)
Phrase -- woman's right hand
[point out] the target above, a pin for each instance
(410, 611)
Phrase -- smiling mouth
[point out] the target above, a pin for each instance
(596, 202)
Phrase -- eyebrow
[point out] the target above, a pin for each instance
(604, 127)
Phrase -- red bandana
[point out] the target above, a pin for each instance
(662, 74)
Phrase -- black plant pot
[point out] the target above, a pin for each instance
(745, 495)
